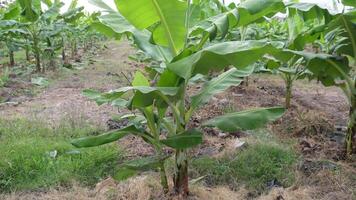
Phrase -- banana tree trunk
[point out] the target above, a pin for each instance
(288, 94)
(12, 58)
(74, 49)
(289, 85)
(37, 53)
(38, 61)
(52, 61)
(180, 179)
(63, 54)
(27, 54)
(351, 130)
(63, 50)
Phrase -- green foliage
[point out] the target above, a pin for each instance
(188, 139)
(162, 99)
(337, 69)
(256, 167)
(34, 155)
(246, 120)
(45, 31)
(170, 17)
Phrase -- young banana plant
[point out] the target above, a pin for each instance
(11, 31)
(304, 25)
(337, 68)
(161, 29)
(291, 71)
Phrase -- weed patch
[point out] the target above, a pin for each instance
(258, 167)
(34, 156)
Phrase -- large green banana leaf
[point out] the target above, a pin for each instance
(187, 139)
(113, 24)
(7, 23)
(30, 9)
(328, 68)
(237, 53)
(248, 12)
(220, 83)
(146, 163)
(141, 38)
(169, 18)
(310, 11)
(246, 120)
(112, 136)
(251, 11)
(72, 15)
(12, 12)
(221, 24)
(148, 93)
(53, 12)
(347, 22)
(105, 30)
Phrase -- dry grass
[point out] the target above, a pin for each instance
(75, 193)
(323, 186)
(288, 194)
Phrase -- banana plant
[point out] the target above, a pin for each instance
(304, 25)
(337, 68)
(47, 28)
(290, 71)
(9, 34)
(38, 23)
(11, 30)
(161, 106)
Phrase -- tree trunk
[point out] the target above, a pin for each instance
(36, 51)
(27, 54)
(351, 130)
(74, 50)
(288, 94)
(289, 85)
(63, 51)
(180, 179)
(12, 58)
(52, 61)
(63, 54)
(85, 46)
(38, 62)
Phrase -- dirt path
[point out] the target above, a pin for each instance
(63, 98)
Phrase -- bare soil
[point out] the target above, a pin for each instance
(64, 98)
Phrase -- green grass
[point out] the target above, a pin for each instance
(255, 167)
(26, 164)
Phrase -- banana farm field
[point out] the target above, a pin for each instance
(177, 99)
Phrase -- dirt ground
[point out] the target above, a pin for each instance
(315, 115)
(64, 97)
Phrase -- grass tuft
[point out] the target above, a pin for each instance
(258, 167)
(34, 155)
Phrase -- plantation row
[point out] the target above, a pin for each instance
(185, 42)
(43, 32)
